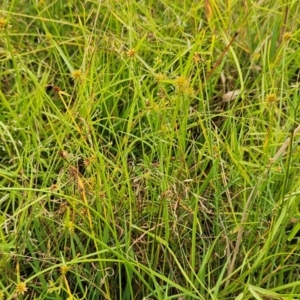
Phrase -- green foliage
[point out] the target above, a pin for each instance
(149, 149)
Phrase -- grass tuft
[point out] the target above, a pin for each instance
(149, 150)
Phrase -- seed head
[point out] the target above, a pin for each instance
(69, 226)
(196, 57)
(21, 288)
(64, 269)
(271, 98)
(77, 75)
(159, 77)
(131, 53)
(182, 83)
(287, 36)
(4, 24)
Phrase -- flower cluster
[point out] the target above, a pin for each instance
(4, 24)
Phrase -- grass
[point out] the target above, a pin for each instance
(149, 150)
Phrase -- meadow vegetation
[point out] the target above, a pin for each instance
(149, 149)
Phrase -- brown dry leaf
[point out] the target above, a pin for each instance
(208, 10)
(232, 95)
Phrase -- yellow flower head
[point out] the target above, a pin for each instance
(4, 24)
(160, 77)
(69, 225)
(196, 57)
(182, 83)
(131, 53)
(77, 75)
(64, 269)
(287, 36)
(21, 288)
(271, 98)
(256, 56)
